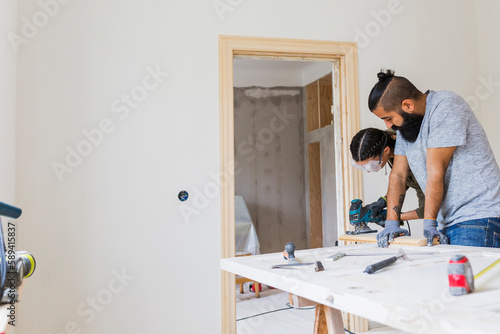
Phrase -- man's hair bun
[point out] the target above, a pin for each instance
(383, 75)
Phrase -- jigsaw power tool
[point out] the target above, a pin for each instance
(360, 216)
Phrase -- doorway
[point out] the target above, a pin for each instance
(345, 120)
(284, 148)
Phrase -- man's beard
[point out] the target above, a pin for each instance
(410, 127)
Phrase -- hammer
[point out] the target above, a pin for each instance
(385, 263)
(318, 266)
(289, 252)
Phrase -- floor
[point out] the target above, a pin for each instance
(287, 320)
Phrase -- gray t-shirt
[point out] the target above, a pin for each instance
(472, 180)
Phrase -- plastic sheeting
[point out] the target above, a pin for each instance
(246, 235)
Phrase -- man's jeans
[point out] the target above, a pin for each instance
(483, 232)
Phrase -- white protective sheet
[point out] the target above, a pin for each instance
(246, 235)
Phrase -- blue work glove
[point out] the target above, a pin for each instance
(431, 231)
(377, 206)
(391, 231)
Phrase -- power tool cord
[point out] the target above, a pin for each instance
(280, 309)
(286, 308)
(409, 229)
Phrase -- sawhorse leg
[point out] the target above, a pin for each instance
(328, 320)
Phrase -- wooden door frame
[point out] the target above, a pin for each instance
(285, 49)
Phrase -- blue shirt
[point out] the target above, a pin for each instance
(472, 180)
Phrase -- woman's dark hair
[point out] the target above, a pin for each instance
(369, 143)
(390, 91)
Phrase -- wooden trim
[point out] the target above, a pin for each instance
(339, 170)
(312, 109)
(227, 188)
(325, 93)
(315, 201)
(285, 49)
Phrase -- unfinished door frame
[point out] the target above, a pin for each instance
(348, 182)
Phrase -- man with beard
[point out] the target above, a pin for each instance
(442, 142)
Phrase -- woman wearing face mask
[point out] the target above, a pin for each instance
(371, 150)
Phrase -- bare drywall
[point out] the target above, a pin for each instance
(269, 154)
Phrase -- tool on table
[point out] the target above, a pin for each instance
(318, 266)
(385, 263)
(338, 256)
(360, 216)
(460, 276)
(289, 252)
(486, 269)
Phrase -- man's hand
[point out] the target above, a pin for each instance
(377, 206)
(431, 231)
(391, 231)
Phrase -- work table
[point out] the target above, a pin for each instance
(409, 295)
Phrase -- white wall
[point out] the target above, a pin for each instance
(118, 209)
(315, 70)
(486, 94)
(8, 12)
(435, 47)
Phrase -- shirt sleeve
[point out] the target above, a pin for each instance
(448, 124)
(400, 148)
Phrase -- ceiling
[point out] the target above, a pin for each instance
(271, 73)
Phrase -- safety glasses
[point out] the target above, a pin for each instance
(370, 166)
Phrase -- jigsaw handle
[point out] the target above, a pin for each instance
(379, 265)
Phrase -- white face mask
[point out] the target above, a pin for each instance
(370, 166)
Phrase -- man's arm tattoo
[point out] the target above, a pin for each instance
(398, 207)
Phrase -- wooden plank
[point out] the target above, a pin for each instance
(350, 321)
(312, 96)
(333, 320)
(349, 105)
(315, 206)
(325, 100)
(320, 324)
(372, 238)
(298, 301)
(339, 170)
(227, 233)
(273, 47)
(358, 324)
